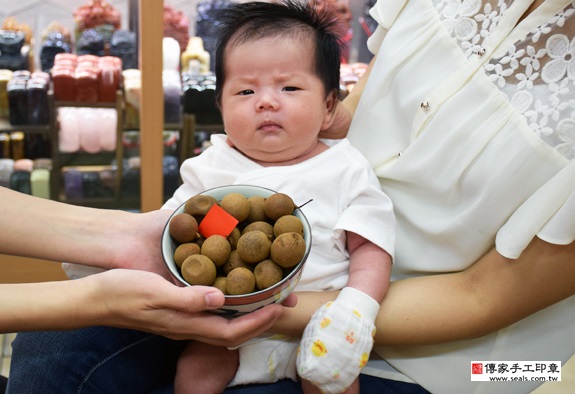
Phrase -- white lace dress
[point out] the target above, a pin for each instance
(469, 122)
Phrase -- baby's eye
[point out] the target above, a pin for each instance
(245, 92)
(290, 89)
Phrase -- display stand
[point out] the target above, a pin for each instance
(187, 137)
(81, 160)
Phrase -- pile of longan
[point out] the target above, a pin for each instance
(262, 249)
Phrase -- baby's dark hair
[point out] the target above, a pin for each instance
(243, 22)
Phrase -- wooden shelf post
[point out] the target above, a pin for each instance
(151, 104)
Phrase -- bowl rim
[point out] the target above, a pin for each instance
(244, 298)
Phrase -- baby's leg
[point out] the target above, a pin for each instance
(309, 388)
(204, 368)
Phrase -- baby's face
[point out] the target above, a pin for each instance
(273, 104)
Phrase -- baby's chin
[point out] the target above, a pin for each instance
(270, 155)
(270, 158)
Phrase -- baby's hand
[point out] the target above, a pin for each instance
(337, 341)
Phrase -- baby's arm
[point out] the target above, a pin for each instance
(338, 339)
(370, 267)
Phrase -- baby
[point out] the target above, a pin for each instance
(277, 76)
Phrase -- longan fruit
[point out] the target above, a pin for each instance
(199, 205)
(288, 224)
(288, 249)
(254, 246)
(185, 250)
(267, 274)
(262, 226)
(234, 262)
(183, 227)
(278, 205)
(220, 283)
(234, 237)
(240, 281)
(257, 213)
(217, 248)
(237, 205)
(198, 269)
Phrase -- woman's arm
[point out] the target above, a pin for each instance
(492, 294)
(133, 299)
(129, 299)
(46, 229)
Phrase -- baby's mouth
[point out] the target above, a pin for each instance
(269, 126)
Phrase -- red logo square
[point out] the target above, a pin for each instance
(477, 369)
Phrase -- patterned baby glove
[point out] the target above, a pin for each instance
(337, 341)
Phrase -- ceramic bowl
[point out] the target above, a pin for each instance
(237, 305)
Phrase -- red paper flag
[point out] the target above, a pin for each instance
(217, 221)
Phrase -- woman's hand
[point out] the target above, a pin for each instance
(145, 301)
(340, 123)
(136, 242)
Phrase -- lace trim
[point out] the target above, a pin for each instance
(537, 73)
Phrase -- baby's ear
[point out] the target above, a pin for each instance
(331, 102)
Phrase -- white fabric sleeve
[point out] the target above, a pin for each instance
(369, 214)
(384, 12)
(549, 214)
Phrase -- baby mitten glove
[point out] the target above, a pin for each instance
(337, 341)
